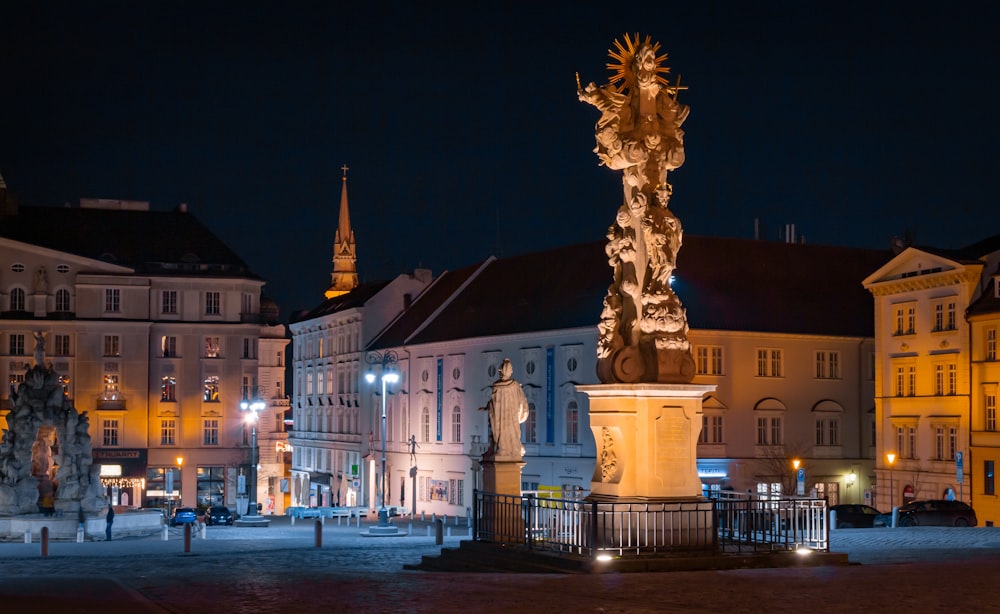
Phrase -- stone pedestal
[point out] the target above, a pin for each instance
(647, 440)
(502, 517)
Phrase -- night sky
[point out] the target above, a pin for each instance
(855, 121)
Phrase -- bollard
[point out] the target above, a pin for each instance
(79, 535)
(27, 537)
(187, 537)
(434, 517)
(319, 533)
(456, 520)
(204, 531)
(438, 532)
(293, 520)
(322, 519)
(45, 541)
(421, 515)
(449, 531)
(358, 522)
(409, 529)
(166, 535)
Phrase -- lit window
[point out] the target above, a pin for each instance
(111, 392)
(212, 347)
(211, 386)
(168, 345)
(168, 388)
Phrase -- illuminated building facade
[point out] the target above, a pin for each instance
(933, 319)
(155, 326)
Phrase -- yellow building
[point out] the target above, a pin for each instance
(925, 374)
(984, 451)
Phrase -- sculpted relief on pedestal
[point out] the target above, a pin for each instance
(643, 327)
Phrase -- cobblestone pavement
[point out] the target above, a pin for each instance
(280, 569)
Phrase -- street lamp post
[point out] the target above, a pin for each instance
(795, 465)
(250, 409)
(891, 458)
(384, 360)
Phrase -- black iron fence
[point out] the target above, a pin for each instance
(730, 522)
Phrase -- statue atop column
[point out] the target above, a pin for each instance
(508, 408)
(643, 327)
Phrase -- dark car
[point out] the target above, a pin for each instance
(184, 515)
(854, 515)
(219, 514)
(935, 513)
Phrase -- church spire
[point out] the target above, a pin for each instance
(345, 274)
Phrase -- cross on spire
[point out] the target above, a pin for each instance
(344, 168)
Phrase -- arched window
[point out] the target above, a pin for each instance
(456, 424)
(572, 423)
(62, 299)
(425, 425)
(531, 424)
(17, 299)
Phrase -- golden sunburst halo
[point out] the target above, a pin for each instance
(624, 54)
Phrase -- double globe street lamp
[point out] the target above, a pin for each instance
(384, 361)
(250, 409)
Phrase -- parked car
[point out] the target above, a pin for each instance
(219, 514)
(184, 515)
(854, 515)
(932, 513)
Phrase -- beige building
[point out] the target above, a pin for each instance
(984, 449)
(155, 327)
(933, 377)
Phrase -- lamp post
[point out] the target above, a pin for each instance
(795, 465)
(250, 409)
(851, 479)
(384, 360)
(891, 457)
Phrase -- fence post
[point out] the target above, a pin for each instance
(474, 520)
(593, 529)
(530, 529)
(438, 532)
(187, 537)
(319, 534)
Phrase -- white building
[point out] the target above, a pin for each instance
(154, 325)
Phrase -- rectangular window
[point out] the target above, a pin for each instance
(939, 317)
(168, 345)
(210, 432)
(820, 432)
(168, 432)
(62, 300)
(901, 442)
(211, 485)
(900, 381)
(110, 385)
(249, 347)
(769, 363)
(991, 412)
(989, 482)
(211, 389)
(112, 345)
(769, 431)
(16, 344)
(531, 424)
(991, 343)
(212, 347)
(711, 430)
(456, 425)
(112, 300)
(899, 321)
(952, 379)
(939, 443)
(911, 320)
(834, 431)
(110, 430)
(911, 433)
(168, 388)
(213, 303)
(949, 320)
(911, 381)
(952, 442)
(62, 345)
(939, 380)
(169, 304)
(827, 365)
(709, 360)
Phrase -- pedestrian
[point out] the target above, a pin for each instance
(110, 519)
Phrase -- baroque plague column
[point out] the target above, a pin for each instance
(645, 414)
